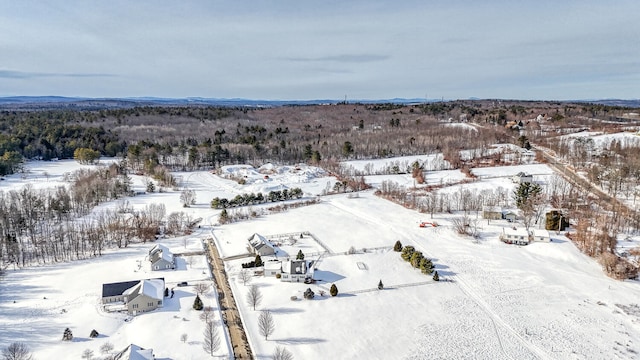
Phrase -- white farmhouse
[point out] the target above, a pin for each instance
(518, 236)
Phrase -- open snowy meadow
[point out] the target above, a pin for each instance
(493, 300)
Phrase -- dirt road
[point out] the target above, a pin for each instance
(230, 316)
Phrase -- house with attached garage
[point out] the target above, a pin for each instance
(161, 258)
(134, 297)
(518, 236)
(289, 270)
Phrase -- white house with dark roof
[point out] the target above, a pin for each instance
(161, 258)
(134, 296)
(259, 245)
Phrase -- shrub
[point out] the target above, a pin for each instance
(309, 294)
(398, 246)
(334, 290)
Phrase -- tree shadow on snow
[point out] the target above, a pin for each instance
(300, 341)
(286, 310)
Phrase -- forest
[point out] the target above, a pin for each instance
(40, 227)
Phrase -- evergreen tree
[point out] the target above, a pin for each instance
(436, 277)
(166, 292)
(258, 261)
(416, 258)
(94, 334)
(334, 290)
(67, 335)
(224, 217)
(197, 303)
(380, 285)
(524, 192)
(300, 255)
(398, 246)
(407, 252)
(426, 266)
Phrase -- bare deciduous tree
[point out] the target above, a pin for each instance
(184, 337)
(245, 276)
(188, 197)
(87, 354)
(17, 351)
(281, 353)
(266, 324)
(106, 348)
(211, 342)
(254, 296)
(201, 288)
(207, 314)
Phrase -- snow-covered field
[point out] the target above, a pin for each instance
(545, 300)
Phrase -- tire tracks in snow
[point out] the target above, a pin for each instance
(497, 320)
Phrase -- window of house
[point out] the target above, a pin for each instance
(159, 302)
(135, 306)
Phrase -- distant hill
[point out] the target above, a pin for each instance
(82, 103)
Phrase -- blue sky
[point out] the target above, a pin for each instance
(284, 49)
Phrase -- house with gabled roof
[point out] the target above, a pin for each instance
(259, 245)
(134, 352)
(134, 296)
(161, 258)
(518, 236)
(522, 178)
(294, 271)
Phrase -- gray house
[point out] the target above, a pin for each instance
(134, 296)
(259, 245)
(161, 258)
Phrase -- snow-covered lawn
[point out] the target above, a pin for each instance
(545, 300)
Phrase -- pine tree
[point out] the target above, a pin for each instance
(426, 266)
(334, 290)
(224, 217)
(300, 255)
(67, 335)
(416, 257)
(436, 277)
(380, 285)
(258, 261)
(398, 246)
(407, 252)
(94, 334)
(197, 303)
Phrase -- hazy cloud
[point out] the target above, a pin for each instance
(11, 74)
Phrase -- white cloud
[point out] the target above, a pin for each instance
(299, 50)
